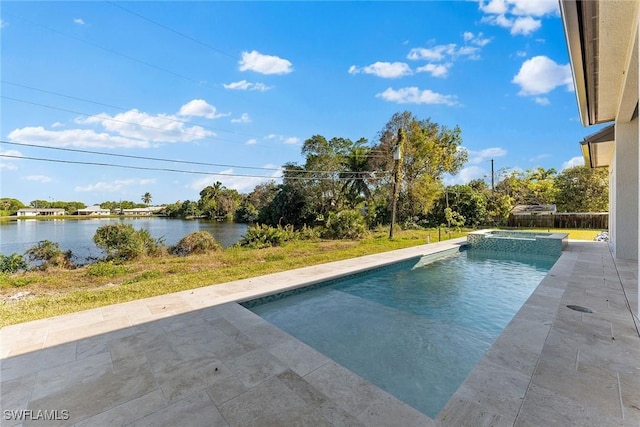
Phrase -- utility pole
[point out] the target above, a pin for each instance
(397, 158)
(492, 186)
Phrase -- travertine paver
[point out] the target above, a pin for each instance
(189, 358)
(553, 366)
(198, 358)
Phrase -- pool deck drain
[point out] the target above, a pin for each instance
(198, 358)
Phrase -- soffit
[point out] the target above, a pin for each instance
(616, 26)
(600, 37)
(598, 148)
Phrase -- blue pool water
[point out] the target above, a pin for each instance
(413, 330)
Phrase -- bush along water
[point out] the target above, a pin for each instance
(122, 242)
(47, 254)
(199, 242)
(12, 263)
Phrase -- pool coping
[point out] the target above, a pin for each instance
(514, 384)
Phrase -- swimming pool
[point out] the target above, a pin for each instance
(415, 329)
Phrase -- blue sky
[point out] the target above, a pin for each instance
(241, 85)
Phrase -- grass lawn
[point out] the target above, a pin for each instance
(573, 233)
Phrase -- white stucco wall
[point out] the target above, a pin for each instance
(624, 192)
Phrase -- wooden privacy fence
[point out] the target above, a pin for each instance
(592, 220)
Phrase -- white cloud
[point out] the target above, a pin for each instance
(442, 52)
(542, 100)
(574, 161)
(519, 16)
(57, 125)
(38, 178)
(240, 183)
(79, 21)
(245, 85)
(540, 75)
(264, 64)
(140, 125)
(539, 157)
(13, 154)
(413, 95)
(436, 70)
(73, 138)
(534, 7)
(8, 166)
(113, 186)
(387, 70)
(496, 7)
(477, 39)
(521, 53)
(476, 157)
(252, 141)
(525, 25)
(199, 108)
(466, 175)
(244, 118)
(291, 140)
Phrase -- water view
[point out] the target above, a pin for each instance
(77, 235)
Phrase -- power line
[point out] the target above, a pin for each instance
(22, 144)
(118, 108)
(116, 120)
(300, 178)
(172, 30)
(102, 117)
(131, 58)
(158, 159)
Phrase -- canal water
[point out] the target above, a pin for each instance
(16, 236)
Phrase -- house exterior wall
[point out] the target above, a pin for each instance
(624, 192)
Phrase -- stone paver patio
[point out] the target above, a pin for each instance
(198, 358)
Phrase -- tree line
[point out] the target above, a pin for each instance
(339, 174)
(406, 164)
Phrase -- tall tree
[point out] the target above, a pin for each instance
(430, 151)
(582, 189)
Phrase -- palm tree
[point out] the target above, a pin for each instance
(357, 172)
(146, 198)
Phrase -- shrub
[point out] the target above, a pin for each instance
(12, 263)
(106, 269)
(347, 224)
(123, 242)
(264, 236)
(48, 254)
(199, 242)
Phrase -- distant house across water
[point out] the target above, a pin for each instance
(94, 210)
(141, 211)
(40, 212)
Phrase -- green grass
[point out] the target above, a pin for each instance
(574, 234)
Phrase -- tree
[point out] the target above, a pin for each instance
(430, 151)
(146, 198)
(357, 172)
(290, 206)
(582, 189)
(10, 206)
(217, 201)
